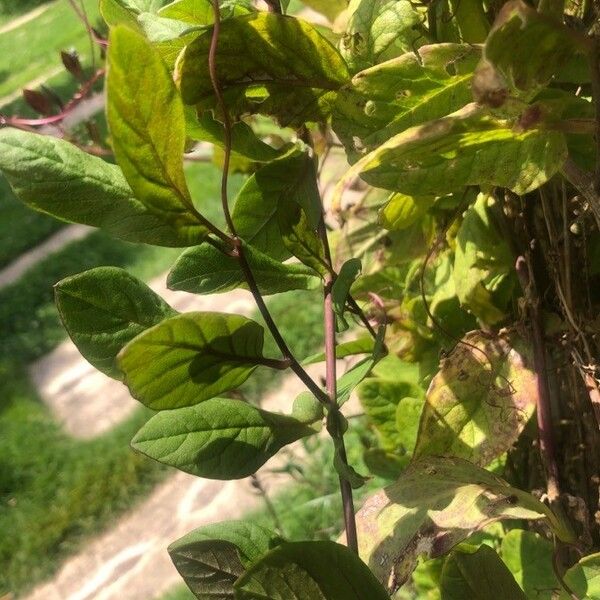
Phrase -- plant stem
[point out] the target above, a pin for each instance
(234, 241)
(331, 386)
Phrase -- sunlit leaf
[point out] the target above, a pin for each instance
(437, 503)
(190, 358)
(267, 63)
(40, 168)
(146, 121)
(480, 400)
(584, 578)
(402, 211)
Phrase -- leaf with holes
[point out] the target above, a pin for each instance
(218, 439)
(409, 90)
(105, 308)
(379, 30)
(480, 400)
(191, 357)
(268, 63)
(467, 147)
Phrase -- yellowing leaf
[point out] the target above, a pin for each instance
(480, 400)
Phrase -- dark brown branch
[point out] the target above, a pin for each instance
(594, 58)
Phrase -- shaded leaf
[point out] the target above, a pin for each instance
(287, 182)
(384, 464)
(584, 578)
(387, 402)
(465, 148)
(309, 571)
(205, 270)
(529, 558)
(437, 503)
(40, 168)
(526, 47)
(212, 557)
(379, 30)
(190, 358)
(267, 63)
(484, 273)
(478, 574)
(480, 400)
(244, 141)
(300, 238)
(218, 439)
(409, 90)
(146, 121)
(340, 290)
(105, 308)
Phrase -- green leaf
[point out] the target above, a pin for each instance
(478, 574)
(483, 264)
(352, 377)
(211, 558)
(465, 148)
(340, 289)
(160, 29)
(584, 578)
(243, 140)
(362, 345)
(330, 8)
(385, 403)
(287, 182)
(480, 400)
(300, 238)
(221, 438)
(114, 12)
(402, 211)
(346, 471)
(146, 121)
(40, 168)
(309, 571)
(196, 12)
(205, 270)
(105, 308)
(409, 90)
(273, 64)
(529, 558)
(437, 503)
(384, 464)
(379, 30)
(526, 47)
(190, 358)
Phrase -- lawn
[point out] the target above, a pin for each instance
(39, 42)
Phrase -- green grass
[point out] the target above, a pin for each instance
(20, 227)
(39, 42)
(61, 490)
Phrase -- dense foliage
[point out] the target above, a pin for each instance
(465, 272)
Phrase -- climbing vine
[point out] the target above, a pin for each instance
(458, 256)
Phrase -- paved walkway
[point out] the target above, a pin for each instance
(130, 561)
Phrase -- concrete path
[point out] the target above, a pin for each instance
(130, 561)
(87, 402)
(16, 269)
